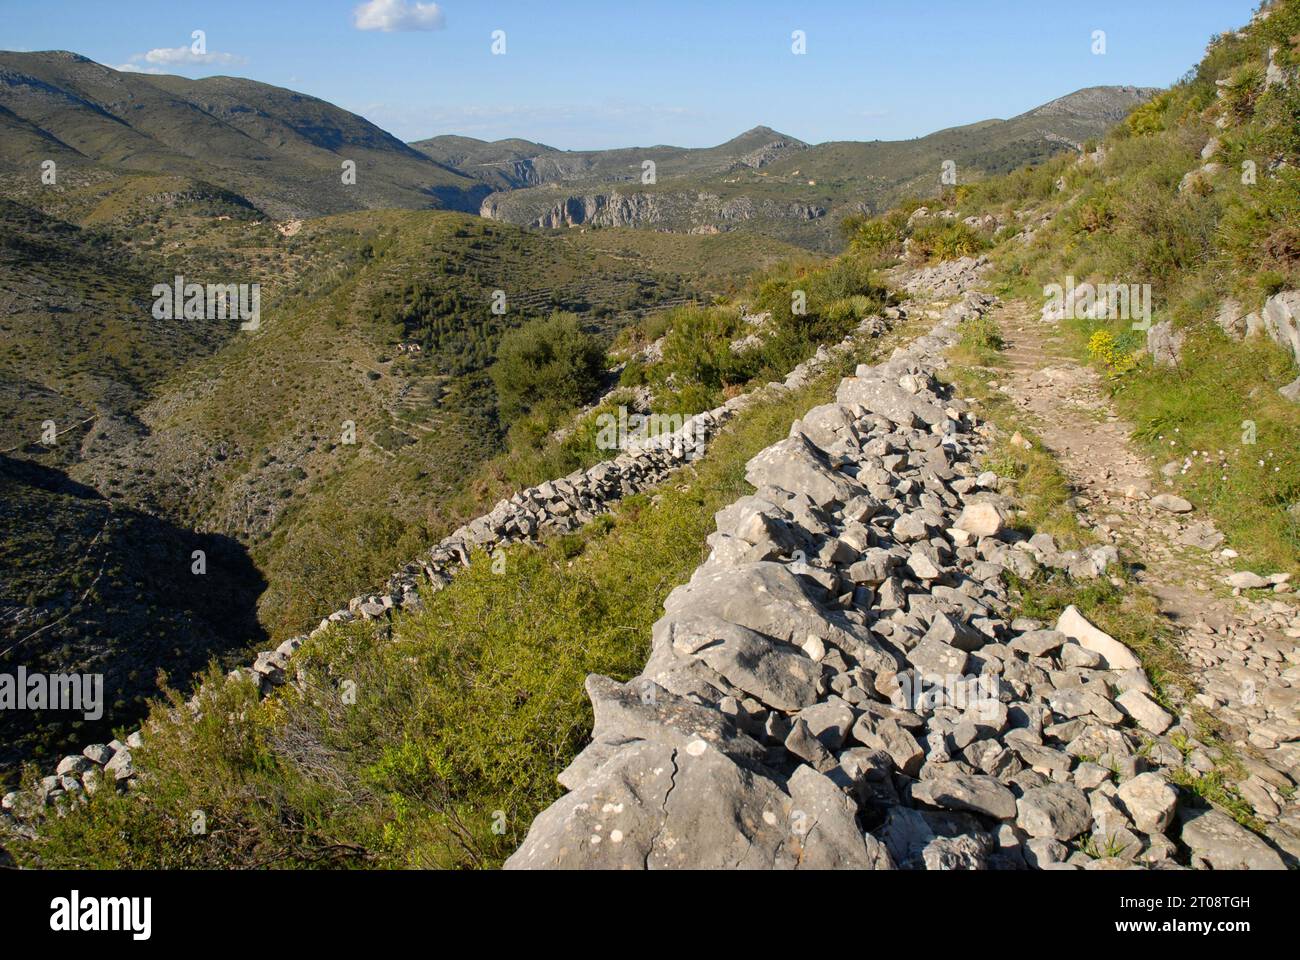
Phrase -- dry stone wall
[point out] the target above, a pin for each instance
(560, 505)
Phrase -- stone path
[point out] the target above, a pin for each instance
(844, 683)
(1242, 650)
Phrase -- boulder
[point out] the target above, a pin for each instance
(826, 834)
(798, 466)
(120, 766)
(1281, 318)
(1038, 643)
(826, 426)
(954, 632)
(778, 674)
(801, 743)
(887, 399)
(770, 599)
(889, 736)
(1076, 627)
(1149, 800)
(1230, 319)
(1144, 711)
(98, 753)
(1245, 580)
(652, 805)
(829, 722)
(1218, 842)
(1171, 503)
(643, 711)
(924, 840)
(982, 519)
(1165, 344)
(72, 766)
(1056, 810)
(971, 792)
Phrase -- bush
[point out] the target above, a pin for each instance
(547, 361)
(697, 350)
(947, 240)
(1148, 118)
(882, 236)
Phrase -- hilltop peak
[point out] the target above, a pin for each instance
(1109, 103)
(765, 134)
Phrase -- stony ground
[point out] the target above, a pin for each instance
(845, 681)
(1240, 646)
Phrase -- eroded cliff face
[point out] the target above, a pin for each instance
(669, 211)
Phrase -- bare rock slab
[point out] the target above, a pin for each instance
(1075, 626)
(1218, 842)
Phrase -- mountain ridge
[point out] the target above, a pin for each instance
(281, 149)
(775, 184)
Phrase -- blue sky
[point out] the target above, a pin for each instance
(583, 74)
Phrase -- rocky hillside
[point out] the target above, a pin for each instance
(281, 153)
(1015, 595)
(569, 505)
(514, 164)
(767, 182)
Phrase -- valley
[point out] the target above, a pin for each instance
(369, 585)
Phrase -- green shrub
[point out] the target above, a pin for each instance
(697, 350)
(880, 236)
(550, 360)
(1148, 118)
(947, 240)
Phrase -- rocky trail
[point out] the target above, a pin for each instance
(845, 681)
(1241, 650)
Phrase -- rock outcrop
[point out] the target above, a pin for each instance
(1278, 319)
(692, 211)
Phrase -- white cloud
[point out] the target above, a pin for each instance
(172, 56)
(136, 68)
(397, 15)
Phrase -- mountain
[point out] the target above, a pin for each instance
(514, 164)
(282, 151)
(280, 154)
(767, 182)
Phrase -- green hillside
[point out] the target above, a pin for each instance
(478, 704)
(196, 430)
(282, 151)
